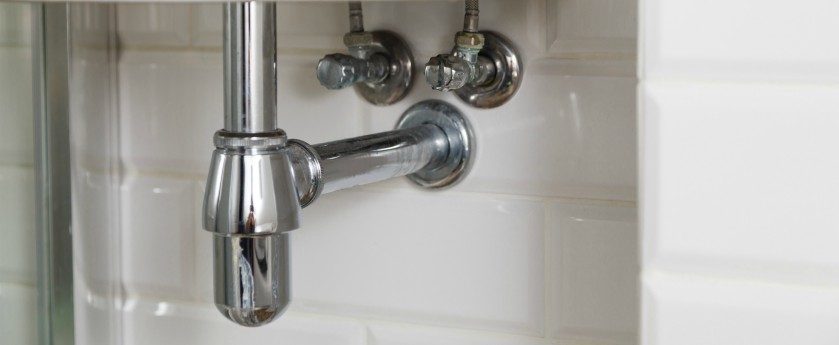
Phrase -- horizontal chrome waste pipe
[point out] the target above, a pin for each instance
(432, 146)
(259, 180)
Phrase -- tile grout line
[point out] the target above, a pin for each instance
(389, 190)
(547, 283)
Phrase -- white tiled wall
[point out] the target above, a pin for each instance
(17, 182)
(740, 109)
(537, 246)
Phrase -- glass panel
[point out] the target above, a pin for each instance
(18, 323)
(95, 174)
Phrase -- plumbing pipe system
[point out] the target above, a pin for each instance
(484, 69)
(379, 66)
(259, 181)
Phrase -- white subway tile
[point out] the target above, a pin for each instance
(436, 22)
(94, 115)
(172, 104)
(152, 322)
(158, 237)
(97, 256)
(313, 25)
(564, 133)
(741, 179)
(207, 24)
(593, 271)
(403, 334)
(96, 233)
(720, 39)
(92, 28)
(19, 319)
(96, 311)
(16, 111)
(322, 25)
(592, 26)
(17, 229)
(435, 258)
(153, 24)
(299, 25)
(692, 310)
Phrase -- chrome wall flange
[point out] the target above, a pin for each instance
(461, 140)
(400, 70)
(499, 89)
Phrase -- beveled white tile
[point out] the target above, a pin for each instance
(96, 318)
(436, 23)
(745, 41)
(92, 27)
(690, 310)
(592, 26)
(172, 104)
(17, 229)
(157, 240)
(207, 24)
(97, 259)
(741, 180)
(16, 111)
(153, 24)
(593, 271)
(19, 319)
(434, 258)
(565, 134)
(93, 111)
(403, 334)
(163, 322)
(312, 25)
(300, 25)
(15, 24)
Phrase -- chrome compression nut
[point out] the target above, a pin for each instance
(272, 139)
(359, 39)
(469, 40)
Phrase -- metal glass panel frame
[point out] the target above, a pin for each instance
(52, 172)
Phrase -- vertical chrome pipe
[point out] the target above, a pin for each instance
(250, 199)
(250, 67)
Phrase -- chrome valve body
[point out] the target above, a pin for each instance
(483, 69)
(379, 64)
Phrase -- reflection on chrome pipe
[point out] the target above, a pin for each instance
(378, 157)
(250, 198)
(432, 145)
(258, 183)
(258, 180)
(251, 276)
(250, 67)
